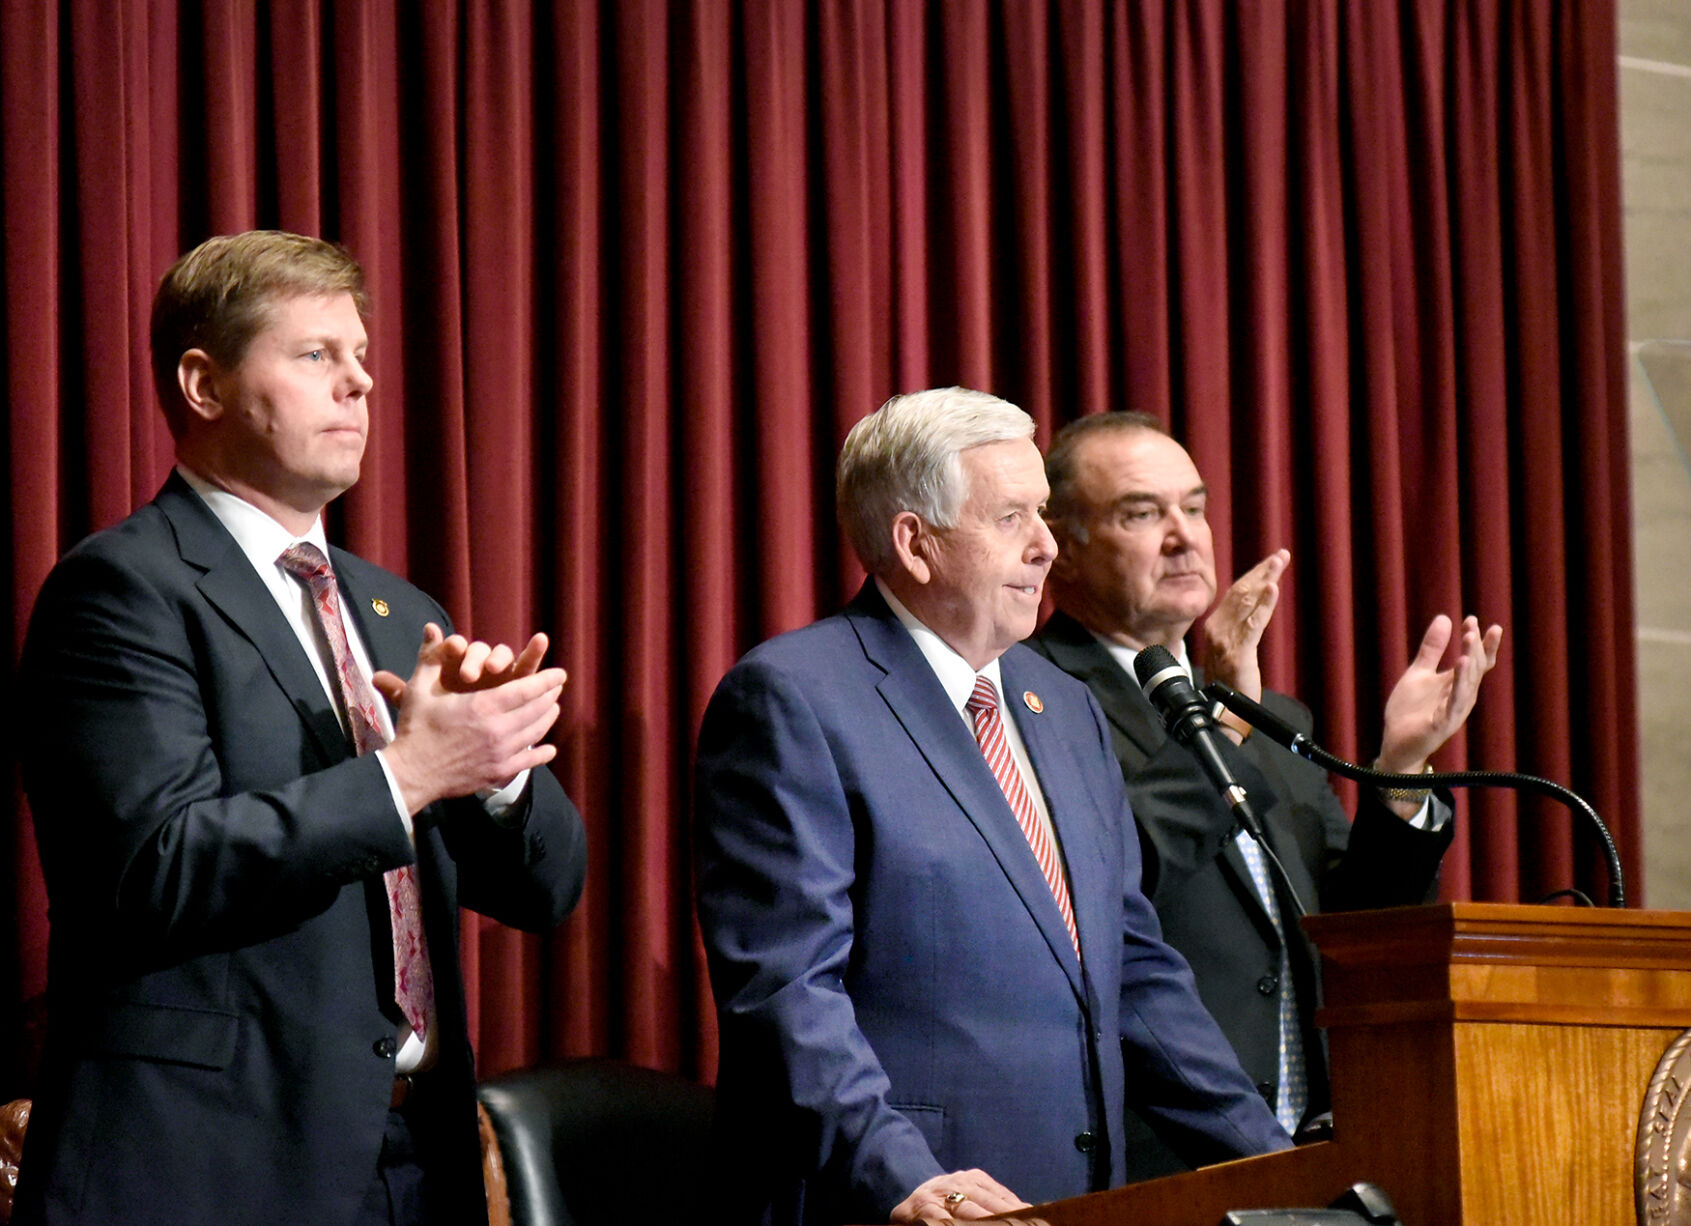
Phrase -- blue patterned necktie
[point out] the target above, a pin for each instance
(1294, 1080)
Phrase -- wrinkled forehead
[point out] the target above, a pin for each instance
(1010, 470)
(1135, 464)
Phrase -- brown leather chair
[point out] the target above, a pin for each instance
(577, 1136)
(14, 1122)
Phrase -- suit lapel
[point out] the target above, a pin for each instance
(1072, 648)
(365, 595)
(1049, 734)
(230, 585)
(917, 700)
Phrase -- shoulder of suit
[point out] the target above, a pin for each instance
(140, 541)
(812, 648)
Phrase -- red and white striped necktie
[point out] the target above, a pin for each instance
(989, 732)
(413, 980)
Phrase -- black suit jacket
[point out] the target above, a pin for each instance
(1198, 881)
(221, 1025)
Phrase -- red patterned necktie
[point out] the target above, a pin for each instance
(989, 731)
(413, 981)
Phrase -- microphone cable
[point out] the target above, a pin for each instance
(1282, 733)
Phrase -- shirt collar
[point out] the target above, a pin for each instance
(1124, 656)
(260, 537)
(953, 671)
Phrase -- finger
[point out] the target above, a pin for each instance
(1270, 567)
(986, 1193)
(432, 635)
(499, 661)
(1275, 564)
(1492, 642)
(531, 656)
(529, 759)
(535, 720)
(449, 653)
(471, 666)
(389, 685)
(519, 699)
(1433, 643)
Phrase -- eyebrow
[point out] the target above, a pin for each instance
(321, 340)
(1136, 496)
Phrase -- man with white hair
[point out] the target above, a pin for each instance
(936, 977)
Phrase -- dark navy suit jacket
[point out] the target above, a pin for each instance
(220, 1044)
(1198, 880)
(896, 990)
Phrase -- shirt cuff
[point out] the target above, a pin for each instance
(497, 803)
(398, 799)
(1433, 815)
(500, 803)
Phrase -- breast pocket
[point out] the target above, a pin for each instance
(201, 1038)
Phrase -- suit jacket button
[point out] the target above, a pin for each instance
(1086, 1142)
(385, 1046)
(1268, 985)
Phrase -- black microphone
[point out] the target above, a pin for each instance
(1188, 720)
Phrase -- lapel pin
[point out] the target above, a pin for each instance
(379, 605)
(1032, 701)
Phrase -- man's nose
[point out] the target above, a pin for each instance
(1182, 532)
(1044, 545)
(358, 380)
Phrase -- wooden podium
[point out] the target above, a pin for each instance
(1489, 1064)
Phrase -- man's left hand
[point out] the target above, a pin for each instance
(1428, 705)
(466, 666)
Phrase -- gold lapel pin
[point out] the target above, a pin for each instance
(1032, 701)
(379, 605)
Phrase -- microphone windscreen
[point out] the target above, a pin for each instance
(1152, 660)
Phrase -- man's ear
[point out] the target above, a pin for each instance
(197, 374)
(1062, 566)
(911, 541)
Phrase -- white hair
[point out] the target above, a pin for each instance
(905, 457)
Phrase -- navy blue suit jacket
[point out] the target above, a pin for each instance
(896, 990)
(220, 1043)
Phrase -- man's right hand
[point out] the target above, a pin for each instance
(982, 1196)
(458, 735)
(1234, 627)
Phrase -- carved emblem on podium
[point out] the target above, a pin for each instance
(1662, 1171)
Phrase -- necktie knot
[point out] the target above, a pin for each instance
(983, 699)
(305, 562)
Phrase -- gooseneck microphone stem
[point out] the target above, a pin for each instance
(1277, 730)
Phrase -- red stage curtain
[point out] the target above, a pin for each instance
(639, 264)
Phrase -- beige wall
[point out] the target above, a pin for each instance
(1655, 111)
